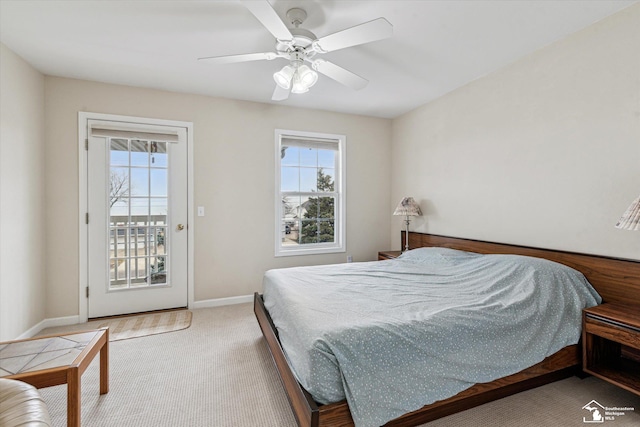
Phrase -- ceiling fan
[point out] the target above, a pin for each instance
(298, 46)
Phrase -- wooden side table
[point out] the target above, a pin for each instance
(388, 255)
(58, 359)
(611, 344)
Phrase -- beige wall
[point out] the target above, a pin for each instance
(22, 196)
(544, 152)
(233, 179)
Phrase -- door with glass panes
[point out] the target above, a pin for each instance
(137, 218)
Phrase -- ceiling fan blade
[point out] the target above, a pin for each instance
(339, 74)
(269, 18)
(371, 31)
(280, 94)
(230, 59)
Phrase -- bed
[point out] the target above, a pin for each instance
(483, 381)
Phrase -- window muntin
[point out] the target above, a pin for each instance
(310, 200)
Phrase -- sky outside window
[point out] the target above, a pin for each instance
(300, 166)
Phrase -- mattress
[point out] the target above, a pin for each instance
(392, 336)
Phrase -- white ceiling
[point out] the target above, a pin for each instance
(437, 46)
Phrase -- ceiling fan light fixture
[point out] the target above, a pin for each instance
(303, 79)
(284, 77)
(299, 88)
(307, 76)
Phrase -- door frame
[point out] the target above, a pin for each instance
(83, 235)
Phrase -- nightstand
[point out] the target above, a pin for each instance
(611, 344)
(388, 255)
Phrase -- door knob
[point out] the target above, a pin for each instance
(180, 227)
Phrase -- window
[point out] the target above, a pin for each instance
(310, 203)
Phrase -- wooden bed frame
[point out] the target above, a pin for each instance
(616, 280)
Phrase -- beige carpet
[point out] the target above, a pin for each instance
(122, 328)
(218, 373)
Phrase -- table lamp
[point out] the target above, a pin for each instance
(407, 207)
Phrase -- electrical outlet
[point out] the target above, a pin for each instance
(349, 258)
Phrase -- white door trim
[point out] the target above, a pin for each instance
(83, 236)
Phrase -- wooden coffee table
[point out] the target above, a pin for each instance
(57, 359)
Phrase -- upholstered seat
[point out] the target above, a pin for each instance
(21, 405)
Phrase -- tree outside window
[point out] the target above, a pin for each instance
(318, 225)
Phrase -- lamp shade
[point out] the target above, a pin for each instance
(408, 207)
(303, 79)
(630, 219)
(308, 77)
(284, 76)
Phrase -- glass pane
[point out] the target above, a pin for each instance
(289, 179)
(302, 209)
(139, 206)
(158, 182)
(112, 269)
(157, 240)
(308, 157)
(290, 233)
(326, 207)
(120, 269)
(112, 243)
(124, 242)
(118, 242)
(119, 211)
(141, 220)
(118, 185)
(119, 220)
(158, 271)
(138, 244)
(309, 232)
(158, 206)
(295, 231)
(159, 154)
(138, 269)
(326, 180)
(308, 179)
(119, 152)
(290, 156)
(327, 232)
(326, 159)
(139, 181)
(139, 153)
(159, 210)
(290, 207)
(310, 210)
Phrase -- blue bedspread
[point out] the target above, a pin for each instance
(395, 335)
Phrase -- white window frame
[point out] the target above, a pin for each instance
(340, 195)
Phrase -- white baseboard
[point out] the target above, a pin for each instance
(222, 301)
(49, 323)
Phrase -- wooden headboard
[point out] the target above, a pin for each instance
(615, 280)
